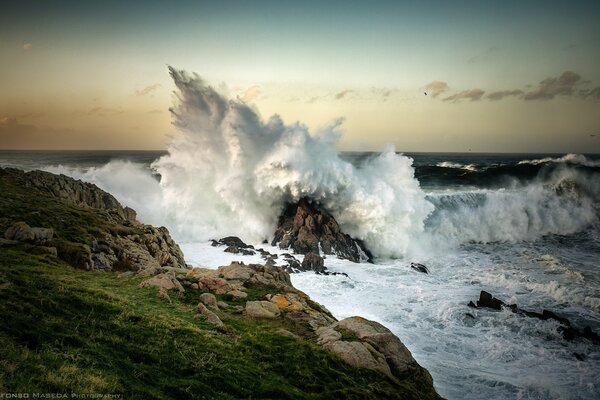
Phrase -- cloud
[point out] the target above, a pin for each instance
(147, 90)
(343, 93)
(592, 94)
(250, 94)
(13, 132)
(313, 99)
(156, 111)
(549, 88)
(500, 94)
(104, 111)
(384, 93)
(471, 94)
(27, 46)
(436, 88)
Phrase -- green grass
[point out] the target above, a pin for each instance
(64, 330)
(67, 330)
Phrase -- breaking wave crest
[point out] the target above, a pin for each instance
(229, 172)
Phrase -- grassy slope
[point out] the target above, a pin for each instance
(66, 330)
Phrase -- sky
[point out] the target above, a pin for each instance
(510, 76)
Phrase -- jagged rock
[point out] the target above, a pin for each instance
(232, 241)
(261, 310)
(313, 262)
(489, 301)
(304, 227)
(123, 244)
(419, 267)
(568, 332)
(22, 232)
(209, 315)
(232, 249)
(76, 192)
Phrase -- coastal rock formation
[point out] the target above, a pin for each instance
(568, 332)
(117, 241)
(368, 344)
(358, 341)
(306, 228)
(76, 192)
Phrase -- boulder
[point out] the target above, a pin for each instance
(209, 315)
(261, 310)
(313, 262)
(208, 299)
(368, 344)
(22, 232)
(419, 267)
(568, 332)
(164, 281)
(305, 227)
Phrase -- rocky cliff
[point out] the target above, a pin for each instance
(109, 236)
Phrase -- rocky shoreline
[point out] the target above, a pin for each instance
(112, 240)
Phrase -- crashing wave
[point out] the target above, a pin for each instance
(448, 164)
(577, 159)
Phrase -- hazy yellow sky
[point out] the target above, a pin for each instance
(503, 77)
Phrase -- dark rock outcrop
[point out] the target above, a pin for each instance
(313, 262)
(419, 267)
(76, 192)
(21, 232)
(568, 332)
(306, 228)
(117, 242)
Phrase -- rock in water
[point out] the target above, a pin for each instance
(306, 228)
(313, 261)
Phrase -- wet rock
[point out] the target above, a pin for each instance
(489, 301)
(313, 262)
(233, 241)
(567, 331)
(305, 227)
(419, 267)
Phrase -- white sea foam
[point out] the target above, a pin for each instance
(448, 164)
(579, 159)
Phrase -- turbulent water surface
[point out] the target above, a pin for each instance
(523, 227)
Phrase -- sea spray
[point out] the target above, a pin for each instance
(229, 172)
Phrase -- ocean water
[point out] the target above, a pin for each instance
(524, 227)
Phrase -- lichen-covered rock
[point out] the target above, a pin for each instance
(372, 346)
(261, 309)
